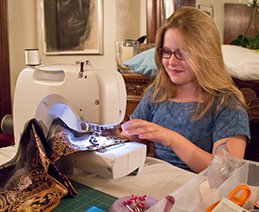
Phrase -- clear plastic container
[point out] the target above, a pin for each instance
(196, 194)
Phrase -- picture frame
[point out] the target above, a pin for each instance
(207, 9)
(72, 27)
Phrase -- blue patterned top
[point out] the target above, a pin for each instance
(203, 133)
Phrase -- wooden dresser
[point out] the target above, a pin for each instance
(250, 89)
(135, 86)
(137, 83)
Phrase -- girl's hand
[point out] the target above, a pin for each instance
(147, 130)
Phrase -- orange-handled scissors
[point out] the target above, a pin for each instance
(238, 195)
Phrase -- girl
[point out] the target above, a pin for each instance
(192, 106)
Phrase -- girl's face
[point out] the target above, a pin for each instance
(173, 59)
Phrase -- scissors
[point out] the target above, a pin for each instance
(238, 195)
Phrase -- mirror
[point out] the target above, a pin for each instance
(143, 17)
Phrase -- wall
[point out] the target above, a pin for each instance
(128, 27)
(25, 31)
(22, 24)
(218, 11)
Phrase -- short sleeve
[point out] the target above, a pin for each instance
(231, 122)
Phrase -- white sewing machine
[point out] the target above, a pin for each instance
(77, 94)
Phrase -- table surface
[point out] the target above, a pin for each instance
(85, 199)
(101, 192)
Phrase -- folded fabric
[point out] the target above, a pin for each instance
(143, 63)
(30, 181)
(242, 63)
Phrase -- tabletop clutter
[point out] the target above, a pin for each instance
(238, 193)
(228, 184)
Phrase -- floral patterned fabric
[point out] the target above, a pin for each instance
(63, 140)
(31, 181)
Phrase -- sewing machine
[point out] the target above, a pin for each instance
(79, 94)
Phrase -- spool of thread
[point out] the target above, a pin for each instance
(32, 57)
(7, 124)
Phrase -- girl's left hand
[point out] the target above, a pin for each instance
(147, 130)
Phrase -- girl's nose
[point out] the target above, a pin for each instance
(173, 60)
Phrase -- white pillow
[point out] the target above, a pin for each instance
(242, 63)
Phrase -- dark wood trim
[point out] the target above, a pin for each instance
(151, 20)
(5, 96)
(135, 86)
(156, 15)
(155, 18)
(236, 20)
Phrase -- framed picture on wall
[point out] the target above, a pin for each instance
(207, 9)
(72, 26)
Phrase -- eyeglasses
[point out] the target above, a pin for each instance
(167, 54)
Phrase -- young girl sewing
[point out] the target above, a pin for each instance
(192, 106)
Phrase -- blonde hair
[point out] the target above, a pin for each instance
(201, 41)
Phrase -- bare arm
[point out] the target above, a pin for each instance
(194, 157)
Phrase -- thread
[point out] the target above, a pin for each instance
(32, 57)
